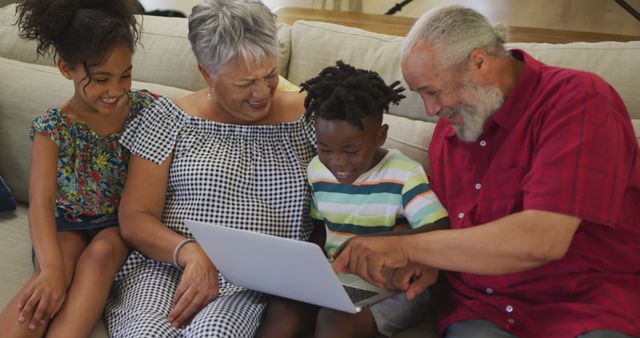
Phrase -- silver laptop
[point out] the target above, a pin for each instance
(283, 267)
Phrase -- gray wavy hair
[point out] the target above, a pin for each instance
(456, 31)
(224, 30)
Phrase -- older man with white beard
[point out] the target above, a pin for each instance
(539, 169)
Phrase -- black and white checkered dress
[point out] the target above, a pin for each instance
(249, 177)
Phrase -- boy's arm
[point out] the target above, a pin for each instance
(421, 206)
(319, 234)
(441, 224)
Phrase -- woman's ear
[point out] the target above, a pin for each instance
(64, 68)
(205, 74)
(382, 134)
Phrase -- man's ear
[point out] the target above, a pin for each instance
(64, 68)
(479, 65)
(382, 134)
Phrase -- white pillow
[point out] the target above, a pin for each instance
(636, 128)
(411, 137)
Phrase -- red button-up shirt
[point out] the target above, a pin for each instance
(562, 142)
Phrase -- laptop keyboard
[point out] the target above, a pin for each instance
(357, 295)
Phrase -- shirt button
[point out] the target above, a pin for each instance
(509, 308)
(461, 215)
(478, 186)
(489, 290)
(483, 143)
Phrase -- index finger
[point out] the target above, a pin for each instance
(343, 246)
(419, 285)
(340, 261)
(180, 306)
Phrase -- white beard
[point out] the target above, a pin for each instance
(488, 99)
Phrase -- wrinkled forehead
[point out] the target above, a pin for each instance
(250, 66)
(425, 54)
(424, 65)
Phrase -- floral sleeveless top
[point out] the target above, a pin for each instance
(91, 168)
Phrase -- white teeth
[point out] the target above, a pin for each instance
(109, 100)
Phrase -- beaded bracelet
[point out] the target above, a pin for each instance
(177, 250)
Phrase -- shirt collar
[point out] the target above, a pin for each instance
(514, 106)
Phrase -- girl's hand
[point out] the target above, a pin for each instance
(42, 298)
(198, 286)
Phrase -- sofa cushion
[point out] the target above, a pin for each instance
(284, 48)
(11, 46)
(15, 251)
(315, 45)
(411, 137)
(613, 61)
(636, 128)
(7, 203)
(163, 57)
(46, 88)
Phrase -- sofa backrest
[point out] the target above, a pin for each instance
(166, 65)
(163, 63)
(163, 56)
(315, 45)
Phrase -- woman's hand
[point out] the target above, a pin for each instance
(198, 285)
(42, 298)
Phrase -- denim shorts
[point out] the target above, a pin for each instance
(65, 222)
(397, 313)
(89, 225)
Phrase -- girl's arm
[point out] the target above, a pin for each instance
(140, 218)
(42, 199)
(46, 291)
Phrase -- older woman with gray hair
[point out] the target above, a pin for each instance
(232, 154)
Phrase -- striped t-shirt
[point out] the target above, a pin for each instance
(396, 191)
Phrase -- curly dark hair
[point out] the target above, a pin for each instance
(342, 92)
(79, 31)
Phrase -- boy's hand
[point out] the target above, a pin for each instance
(43, 297)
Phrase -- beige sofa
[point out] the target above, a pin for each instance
(166, 65)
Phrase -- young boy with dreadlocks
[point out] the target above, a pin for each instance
(360, 188)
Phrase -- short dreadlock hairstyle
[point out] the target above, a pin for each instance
(342, 92)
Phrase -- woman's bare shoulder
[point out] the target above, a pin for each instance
(291, 105)
(189, 103)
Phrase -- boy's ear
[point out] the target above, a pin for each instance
(382, 134)
(64, 68)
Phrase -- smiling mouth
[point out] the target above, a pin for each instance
(258, 104)
(110, 100)
(452, 117)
